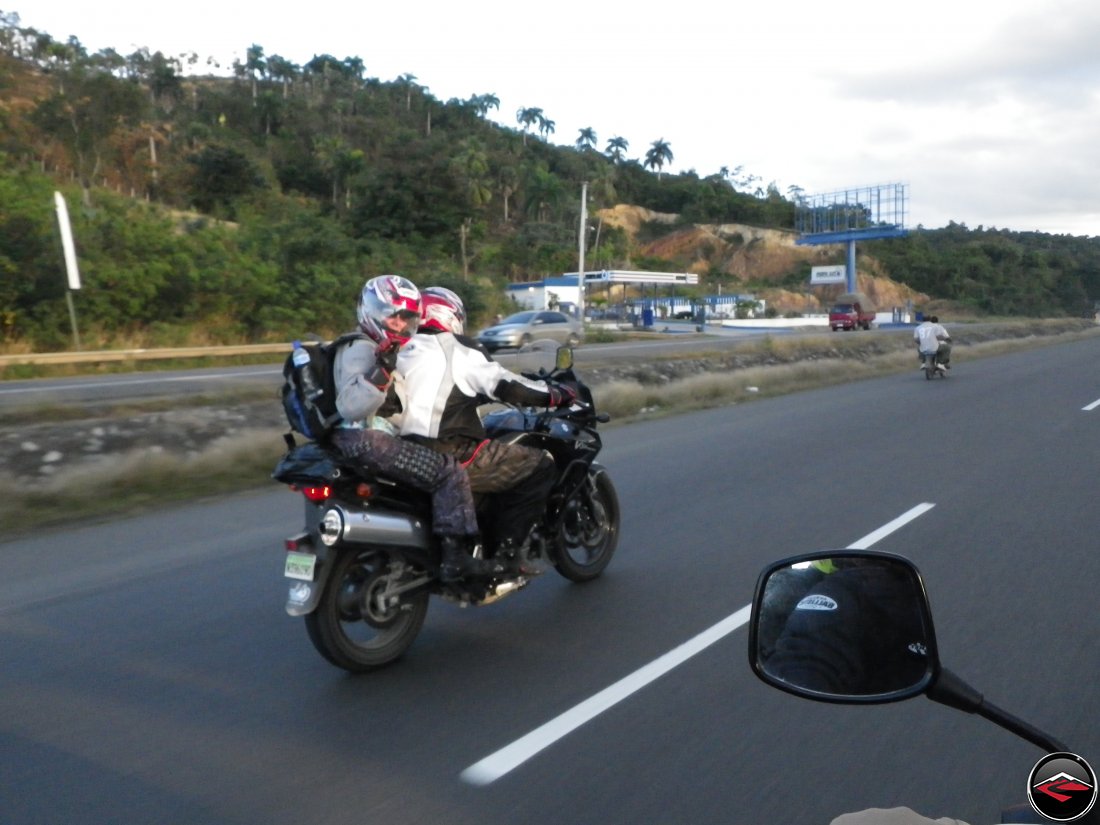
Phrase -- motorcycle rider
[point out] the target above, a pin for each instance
(446, 376)
(388, 309)
(931, 337)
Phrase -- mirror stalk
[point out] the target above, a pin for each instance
(950, 690)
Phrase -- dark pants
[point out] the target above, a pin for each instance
(453, 512)
(516, 478)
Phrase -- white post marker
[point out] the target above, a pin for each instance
(67, 240)
(69, 249)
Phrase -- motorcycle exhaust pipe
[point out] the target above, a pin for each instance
(341, 524)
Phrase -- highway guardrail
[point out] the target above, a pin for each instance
(95, 356)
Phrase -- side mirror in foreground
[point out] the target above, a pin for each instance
(843, 626)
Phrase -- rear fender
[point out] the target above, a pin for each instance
(303, 596)
(348, 529)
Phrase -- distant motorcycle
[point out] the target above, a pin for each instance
(364, 566)
(932, 367)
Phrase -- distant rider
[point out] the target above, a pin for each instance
(930, 338)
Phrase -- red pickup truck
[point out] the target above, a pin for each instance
(851, 311)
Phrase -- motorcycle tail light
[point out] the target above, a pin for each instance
(364, 490)
(317, 494)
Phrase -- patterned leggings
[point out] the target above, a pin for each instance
(440, 475)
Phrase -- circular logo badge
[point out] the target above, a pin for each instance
(1062, 787)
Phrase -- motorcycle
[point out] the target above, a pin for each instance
(366, 563)
(932, 367)
(882, 648)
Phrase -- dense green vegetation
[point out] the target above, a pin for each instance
(997, 271)
(251, 207)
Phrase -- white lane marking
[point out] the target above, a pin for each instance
(151, 379)
(510, 757)
(887, 529)
(504, 760)
(1092, 406)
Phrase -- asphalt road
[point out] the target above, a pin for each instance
(150, 675)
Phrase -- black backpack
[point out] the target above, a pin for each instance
(314, 417)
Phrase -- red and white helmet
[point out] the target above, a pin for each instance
(382, 298)
(441, 309)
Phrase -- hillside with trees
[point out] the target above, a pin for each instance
(250, 206)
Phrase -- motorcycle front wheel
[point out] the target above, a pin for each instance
(589, 530)
(358, 625)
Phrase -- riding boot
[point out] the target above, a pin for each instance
(456, 563)
(512, 556)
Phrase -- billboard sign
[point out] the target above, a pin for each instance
(828, 274)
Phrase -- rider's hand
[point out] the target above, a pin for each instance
(385, 362)
(561, 395)
(385, 355)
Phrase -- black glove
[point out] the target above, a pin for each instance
(385, 362)
(561, 395)
(386, 355)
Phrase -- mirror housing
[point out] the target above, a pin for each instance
(564, 358)
(847, 626)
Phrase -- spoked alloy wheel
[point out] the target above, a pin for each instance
(359, 625)
(589, 531)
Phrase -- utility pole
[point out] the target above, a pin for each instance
(580, 256)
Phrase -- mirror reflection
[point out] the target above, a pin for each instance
(853, 626)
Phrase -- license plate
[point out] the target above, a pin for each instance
(300, 566)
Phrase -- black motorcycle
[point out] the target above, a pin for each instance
(366, 563)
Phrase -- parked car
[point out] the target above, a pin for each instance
(532, 325)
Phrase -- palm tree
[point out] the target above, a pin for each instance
(543, 192)
(282, 71)
(470, 169)
(409, 82)
(508, 181)
(546, 127)
(527, 117)
(483, 103)
(616, 148)
(255, 66)
(586, 139)
(602, 188)
(658, 154)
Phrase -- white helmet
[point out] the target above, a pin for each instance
(383, 297)
(442, 309)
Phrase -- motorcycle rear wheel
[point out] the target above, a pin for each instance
(352, 627)
(589, 531)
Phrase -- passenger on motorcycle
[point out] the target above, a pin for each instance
(931, 337)
(446, 376)
(388, 309)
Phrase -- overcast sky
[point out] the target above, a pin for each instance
(989, 112)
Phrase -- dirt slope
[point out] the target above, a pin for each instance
(751, 255)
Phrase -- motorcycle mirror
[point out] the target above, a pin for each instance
(538, 357)
(564, 359)
(846, 626)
